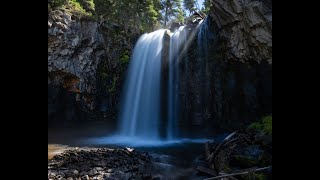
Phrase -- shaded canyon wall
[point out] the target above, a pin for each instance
(227, 83)
(87, 59)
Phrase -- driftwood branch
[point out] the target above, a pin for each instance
(220, 145)
(239, 173)
(210, 171)
(230, 139)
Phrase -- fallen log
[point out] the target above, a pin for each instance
(239, 173)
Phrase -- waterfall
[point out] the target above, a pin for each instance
(140, 110)
(144, 99)
(202, 39)
(177, 40)
(202, 62)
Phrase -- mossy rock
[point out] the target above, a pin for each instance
(112, 88)
(124, 59)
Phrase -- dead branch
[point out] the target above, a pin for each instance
(220, 145)
(229, 140)
(239, 173)
(217, 155)
(211, 172)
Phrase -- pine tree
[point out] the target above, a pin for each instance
(151, 15)
(173, 10)
(134, 15)
(179, 13)
(206, 6)
(190, 5)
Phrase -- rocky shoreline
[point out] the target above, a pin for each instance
(89, 163)
(98, 164)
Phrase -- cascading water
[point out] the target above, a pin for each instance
(202, 40)
(204, 36)
(177, 40)
(140, 111)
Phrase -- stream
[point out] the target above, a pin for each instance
(172, 159)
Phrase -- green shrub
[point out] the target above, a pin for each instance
(124, 58)
(81, 7)
(256, 126)
(76, 6)
(264, 126)
(267, 124)
(112, 87)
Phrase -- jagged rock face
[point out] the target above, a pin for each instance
(232, 86)
(75, 48)
(246, 26)
(84, 62)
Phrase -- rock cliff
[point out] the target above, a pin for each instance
(86, 61)
(226, 75)
(246, 27)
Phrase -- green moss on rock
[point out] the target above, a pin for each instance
(112, 87)
(124, 59)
